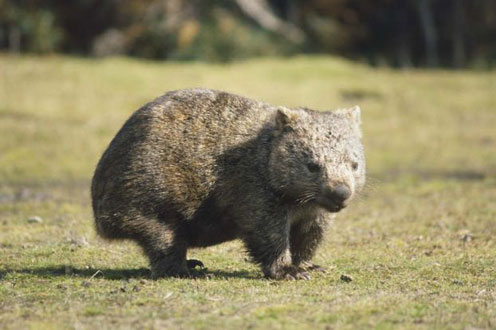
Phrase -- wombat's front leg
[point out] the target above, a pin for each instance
(305, 237)
(269, 246)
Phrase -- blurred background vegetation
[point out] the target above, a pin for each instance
(401, 33)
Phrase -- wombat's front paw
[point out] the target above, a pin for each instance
(297, 273)
(289, 273)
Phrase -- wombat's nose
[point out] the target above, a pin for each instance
(334, 198)
(340, 193)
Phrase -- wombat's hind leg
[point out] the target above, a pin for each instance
(166, 264)
(165, 251)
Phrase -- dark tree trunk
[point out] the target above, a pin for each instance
(428, 27)
(403, 47)
(293, 12)
(458, 36)
(14, 39)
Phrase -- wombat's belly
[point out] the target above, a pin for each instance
(211, 226)
(206, 234)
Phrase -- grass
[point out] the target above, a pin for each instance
(419, 245)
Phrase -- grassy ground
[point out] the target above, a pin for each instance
(420, 245)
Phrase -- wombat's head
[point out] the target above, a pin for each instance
(317, 157)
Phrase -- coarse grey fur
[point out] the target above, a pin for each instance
(199, 167)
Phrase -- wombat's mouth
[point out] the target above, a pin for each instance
(330, 205)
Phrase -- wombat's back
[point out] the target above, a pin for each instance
(164, 158)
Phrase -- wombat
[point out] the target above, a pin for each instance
(199, 167)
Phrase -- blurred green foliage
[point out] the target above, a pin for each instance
(403, 33)
(37, 28)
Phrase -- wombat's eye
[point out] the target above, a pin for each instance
(313, 167)
(354, 166)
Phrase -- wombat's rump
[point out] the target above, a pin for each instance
(200, 167)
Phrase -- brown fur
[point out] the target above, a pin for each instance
(200, 167)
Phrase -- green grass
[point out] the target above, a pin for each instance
(420, 244)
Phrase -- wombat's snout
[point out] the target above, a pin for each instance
(335, 198)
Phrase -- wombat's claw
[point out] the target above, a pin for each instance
(192, 263)
(308, 266)
(297, 274)
(302, 275)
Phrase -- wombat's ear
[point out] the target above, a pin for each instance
(353, 114)
(284, 121)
